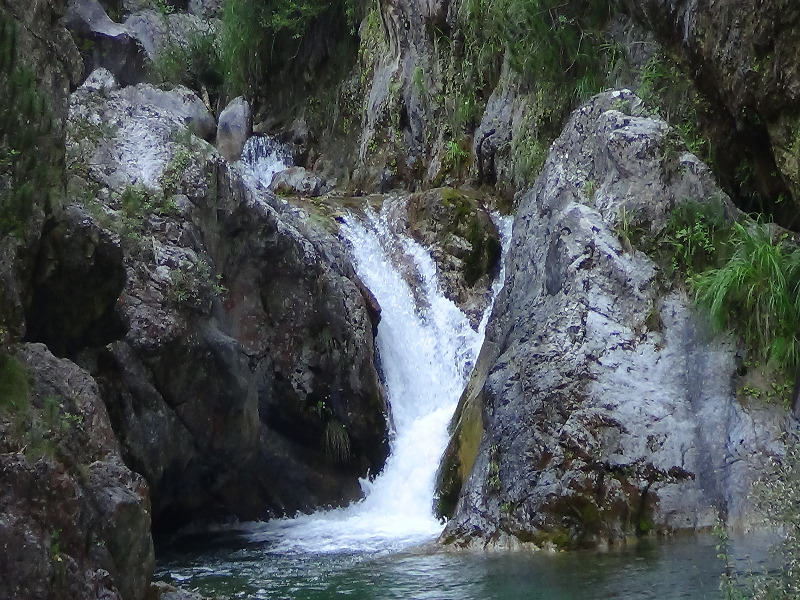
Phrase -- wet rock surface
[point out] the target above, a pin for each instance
(463, 241)
(588, 419)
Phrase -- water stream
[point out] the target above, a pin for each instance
(378, 548)
(427, 349)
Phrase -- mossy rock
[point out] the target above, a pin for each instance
(459, 457)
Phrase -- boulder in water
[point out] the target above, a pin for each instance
(298, 181)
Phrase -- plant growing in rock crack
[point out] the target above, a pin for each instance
(694, 239)
(454, 155)
(14, 392)
(337, 442)
(756, 293)
(193, 283)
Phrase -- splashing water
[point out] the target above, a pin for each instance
(427, 351)
(263, 157)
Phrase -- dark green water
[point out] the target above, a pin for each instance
(230, 567)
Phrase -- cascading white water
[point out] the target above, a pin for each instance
(427, 351)
(263, 157)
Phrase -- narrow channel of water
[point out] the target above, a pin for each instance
(427, 350)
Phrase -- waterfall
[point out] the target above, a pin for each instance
(263, 157)
(427, 350)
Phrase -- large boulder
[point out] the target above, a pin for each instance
(105, 43)
(245, 385)
(234, 129)
(601, 407)
(74, 520)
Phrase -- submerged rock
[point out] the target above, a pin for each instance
(601, 407)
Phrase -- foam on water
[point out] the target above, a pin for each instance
(263, 157)
(427, 349)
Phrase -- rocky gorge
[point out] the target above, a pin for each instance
(183, 344)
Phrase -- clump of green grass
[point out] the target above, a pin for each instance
(337, 442)
(756, 294)
(14, 392)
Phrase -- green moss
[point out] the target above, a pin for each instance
(14, 388)
(29, 172)
(459, 457)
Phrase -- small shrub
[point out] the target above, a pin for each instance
(756, 293)
(195, 63)
(337, 442)
(695, 237)
(454, 155)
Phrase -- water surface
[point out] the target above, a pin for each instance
(230, 567)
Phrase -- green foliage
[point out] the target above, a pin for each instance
(778, 496)
(136, 204)
(756, 293)
(255, 34)
(530, 152)
(195, 62)
(665, 88)
(28, 169)
(14, 392)
(556, 47)
(193, 283)
(337, 442)
(696, 235)
(455, 156)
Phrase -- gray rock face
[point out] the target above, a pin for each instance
(205, 8)
(137, 149)
(249, 342)
(607, 409)
(105, 43)
(235, 126)
(74, 519)
(46, 50)
(744, 55)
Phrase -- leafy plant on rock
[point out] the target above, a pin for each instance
(756, 293)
